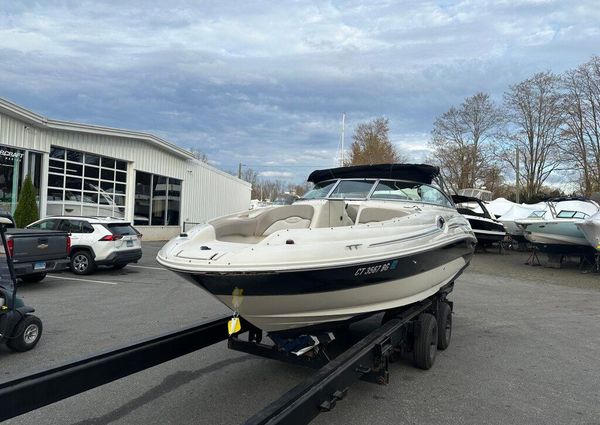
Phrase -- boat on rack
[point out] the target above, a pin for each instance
(487, 229)
(555, 229)
(590, 227)
(365, 239)
(519, 212)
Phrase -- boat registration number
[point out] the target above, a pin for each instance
(380, 268)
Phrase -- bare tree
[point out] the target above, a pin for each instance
(462, 141)
(199, 155)
(534, 113)
(299, 189)
(581, 136)
(371, 144)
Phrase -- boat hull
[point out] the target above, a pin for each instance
(289, 301)
(487, 231)
(557, 237)
(591, 231)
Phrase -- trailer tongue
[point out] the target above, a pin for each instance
(411, 330)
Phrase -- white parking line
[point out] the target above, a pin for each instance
(146, 267)
(82, 280)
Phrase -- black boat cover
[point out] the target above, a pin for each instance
(421, 173)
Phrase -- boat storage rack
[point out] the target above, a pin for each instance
(367, 360)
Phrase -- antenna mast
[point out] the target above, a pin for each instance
(342, 139)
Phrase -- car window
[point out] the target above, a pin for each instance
(44, 225)
(66, 226)
(87, 227)
(75, 226)
(123, 229)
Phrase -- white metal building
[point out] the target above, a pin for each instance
(81, 169)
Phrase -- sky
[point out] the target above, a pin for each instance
(265, 83)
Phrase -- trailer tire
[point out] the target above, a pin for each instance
(425, 342)
(26, 335)
(444, 325)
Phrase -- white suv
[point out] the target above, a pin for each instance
(96, 241)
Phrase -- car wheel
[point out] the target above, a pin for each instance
(26, 335)
(82, 263)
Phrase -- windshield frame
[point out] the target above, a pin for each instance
(374, 186)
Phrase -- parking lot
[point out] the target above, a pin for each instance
(524, 349)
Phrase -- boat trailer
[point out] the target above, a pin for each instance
(410, 330)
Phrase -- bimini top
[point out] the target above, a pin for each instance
(421, 173)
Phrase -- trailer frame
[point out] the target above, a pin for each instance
(368, 360)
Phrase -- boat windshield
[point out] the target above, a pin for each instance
(410, 191)
(320, 190)
(571, 214)
(537, 214)
(397, 190)
(353, 189)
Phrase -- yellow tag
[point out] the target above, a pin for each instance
(233, 326)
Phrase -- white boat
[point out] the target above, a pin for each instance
(499, 206)
(517, 212)
(590, 227)
(555, 230)
(365, 239)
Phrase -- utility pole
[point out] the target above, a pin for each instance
(240, 171)
(517, 180)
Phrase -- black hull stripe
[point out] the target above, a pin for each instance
(331, 279)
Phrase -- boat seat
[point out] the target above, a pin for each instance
(371, 214)
(352, 211)
(252, 229)
(288, 223)
(281, 218)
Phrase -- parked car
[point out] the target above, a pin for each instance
(97, 241)
(35, 252)
(19, 328)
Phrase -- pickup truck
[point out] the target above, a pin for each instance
(37, 252)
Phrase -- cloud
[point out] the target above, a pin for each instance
(266, 83)
(276, 174)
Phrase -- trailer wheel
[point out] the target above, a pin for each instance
(426, 341)
(26, 335)
(444, 326)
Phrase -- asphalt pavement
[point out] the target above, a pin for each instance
(523, 351)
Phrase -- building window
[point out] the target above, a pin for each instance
(157, 200)
(84, 184)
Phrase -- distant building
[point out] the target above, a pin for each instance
(81, 169)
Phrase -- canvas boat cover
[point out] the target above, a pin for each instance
(421, 173)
